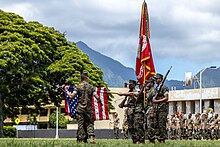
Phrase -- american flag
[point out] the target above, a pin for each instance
(71, 103)
(100, 111)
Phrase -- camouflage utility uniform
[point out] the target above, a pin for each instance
(206, 125)
(116, 126)
(131, 114)
(84, 110)
(150, 116)
(139, 120)
(198, 129)
(125, 124)
(183, 130)
(161, 114)
(190, 127)
(174, 129)
(215, 127)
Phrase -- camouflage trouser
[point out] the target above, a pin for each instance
(150, 125)
(139, 126)
(85, 125)
(190, 134)
(161, 120)
(174, 134)
(198, 134)
(214, 133)
(131, 128)
(116, 132)
(125, 133)
(183, 133)
(207, 134)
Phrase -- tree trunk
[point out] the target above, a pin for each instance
(1, 118)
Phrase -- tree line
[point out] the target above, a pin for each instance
(36, 60)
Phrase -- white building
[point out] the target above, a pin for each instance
(188, 101)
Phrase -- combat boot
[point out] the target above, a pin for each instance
(84, 140)
(151, 141)
(92, 140)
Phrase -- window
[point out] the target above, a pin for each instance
(212, 104)
(24, 111)
(184, 107)
(52, 110)
(43, 112)
(192, 107)
(63, 110)
(174, 107)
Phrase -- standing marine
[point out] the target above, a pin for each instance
(130, 102)
(149, 111)
(85, 119)
(160, 102)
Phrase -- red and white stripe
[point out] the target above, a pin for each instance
(100, 111)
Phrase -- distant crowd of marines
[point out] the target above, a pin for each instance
(203, 126)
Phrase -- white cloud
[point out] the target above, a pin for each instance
(181, 30)
(25, 10)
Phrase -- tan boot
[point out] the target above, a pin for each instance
(92, 140)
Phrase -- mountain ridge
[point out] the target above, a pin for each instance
(115, 73)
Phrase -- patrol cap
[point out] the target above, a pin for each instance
(132, 82)
(150, 80)
(198, 114)
(158, 76)
(84, 75)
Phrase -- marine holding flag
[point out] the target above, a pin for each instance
(85, 118)
(144, 60)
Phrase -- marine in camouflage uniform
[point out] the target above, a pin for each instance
(215, 127)
(206, 126)
(177, 127)
(149, 112)
(183, 131)
(168, 127)
(160, 101)
(139, 120)
(190, 127)
(85, 119)
(131, 102)
(125, 124)
(174, 128)
(116, 126)
(198, 127)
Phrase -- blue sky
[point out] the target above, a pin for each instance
(184, 33)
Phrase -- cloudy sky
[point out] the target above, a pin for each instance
(184, 33)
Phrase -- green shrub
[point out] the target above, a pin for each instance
(61, 120)
(9, 131)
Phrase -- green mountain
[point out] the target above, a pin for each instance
(115, 74)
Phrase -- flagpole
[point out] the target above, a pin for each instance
(57, 135)
(143, 84)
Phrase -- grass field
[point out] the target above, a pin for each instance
(69, 142)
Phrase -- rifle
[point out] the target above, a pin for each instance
(122, 104)
(162, 83)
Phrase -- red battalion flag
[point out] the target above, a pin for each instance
(100, 111)
(144, 60)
